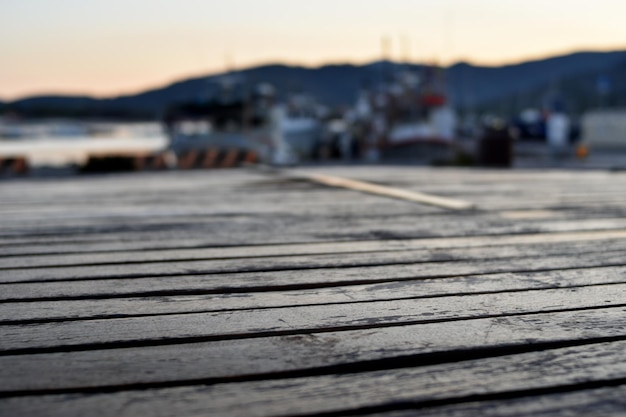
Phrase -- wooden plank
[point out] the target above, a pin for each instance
(266, 276)
(97, 206)
(606, 402)
(284, 257)
(321, 353)
(515, 376)
(177, 248)
(511, 375)
(510, 189)
(427, 175)
(207, 204)
(422, 303)
(305, 221)
(141, 302)
(307, 319)
(234, 285)
(247, 230)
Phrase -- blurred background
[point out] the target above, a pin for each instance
(155, 84)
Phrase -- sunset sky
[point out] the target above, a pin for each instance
(111, 47)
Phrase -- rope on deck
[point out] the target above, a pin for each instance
(368, 187)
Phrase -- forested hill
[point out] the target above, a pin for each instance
(469, 85)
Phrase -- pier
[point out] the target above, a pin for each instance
(249, 293)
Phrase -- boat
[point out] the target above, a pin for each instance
(406, 114)
(248, 119)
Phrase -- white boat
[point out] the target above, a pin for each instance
(258, 123)
(405, 115)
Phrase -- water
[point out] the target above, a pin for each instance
(59, 143)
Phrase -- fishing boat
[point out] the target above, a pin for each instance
(407, 114)
(246, 119)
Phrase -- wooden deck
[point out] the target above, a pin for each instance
(239, 293)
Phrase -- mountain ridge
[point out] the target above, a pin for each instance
(337, 84)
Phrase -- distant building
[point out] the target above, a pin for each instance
(605, 129)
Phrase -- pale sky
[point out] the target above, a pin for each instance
(110, 47)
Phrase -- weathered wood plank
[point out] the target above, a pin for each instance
(426, 175)
(179, 247)
(370, 314)
(512, 375)
(306, 319)
(296, 227)
(308, 201)
(316, 280)
(229, 230)
(208, 362)
(606, 402)
(402, 253)
(142, 303)
(249, 275)
(508, 190)
(462, 382)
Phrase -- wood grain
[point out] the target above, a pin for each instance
(235, 293)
